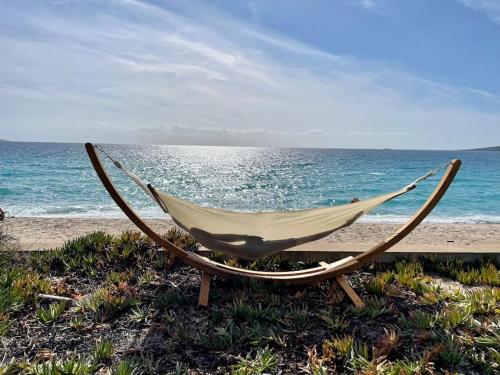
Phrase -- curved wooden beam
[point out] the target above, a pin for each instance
(418, 217)
(311, 275)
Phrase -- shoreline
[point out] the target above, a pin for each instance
(36, 233)
(388, 219)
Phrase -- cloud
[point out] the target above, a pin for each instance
(183, 129)
(490, 8)
(102, 72)
(369, 133)
(203, 50)
(367, 3)
(177, 70)
(378, 7)
(185, 134)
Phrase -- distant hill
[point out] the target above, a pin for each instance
(494, 148)
(3, 140)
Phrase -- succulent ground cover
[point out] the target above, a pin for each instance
(132, 309)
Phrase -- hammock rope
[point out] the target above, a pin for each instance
(430, 173)
(127, 172)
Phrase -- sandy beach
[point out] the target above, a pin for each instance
(46, 233)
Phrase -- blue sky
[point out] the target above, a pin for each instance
(352, 73)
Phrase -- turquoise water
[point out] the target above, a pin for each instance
(55, 179)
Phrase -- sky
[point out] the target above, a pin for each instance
(418, 74)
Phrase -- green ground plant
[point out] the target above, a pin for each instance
(484, 271)
(483, 301)
(333, 321)
(374, 307)
(136, 307)
(262, 362)
(77, 322)
(377, 284)
(102, 351)
(340, 346)
(4, 324)
(171, 298)
(70, 366)
(147, 278)
(418, 320)
(106, 303)
(126, 367)
(51, 313)
(182, 239)
(141, 315)
(18, 288)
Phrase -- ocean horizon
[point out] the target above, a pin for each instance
(57, 180)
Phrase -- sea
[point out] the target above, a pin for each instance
(57, 180)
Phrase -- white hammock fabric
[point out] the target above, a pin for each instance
(260, 234)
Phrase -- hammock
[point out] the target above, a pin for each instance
(260, 234)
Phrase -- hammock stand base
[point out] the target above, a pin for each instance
(204, 289)
(341, 281)
(351, 293)
(325, 271)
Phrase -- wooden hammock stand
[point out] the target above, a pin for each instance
(326, 271)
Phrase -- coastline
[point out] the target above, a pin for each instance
(36, 233)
